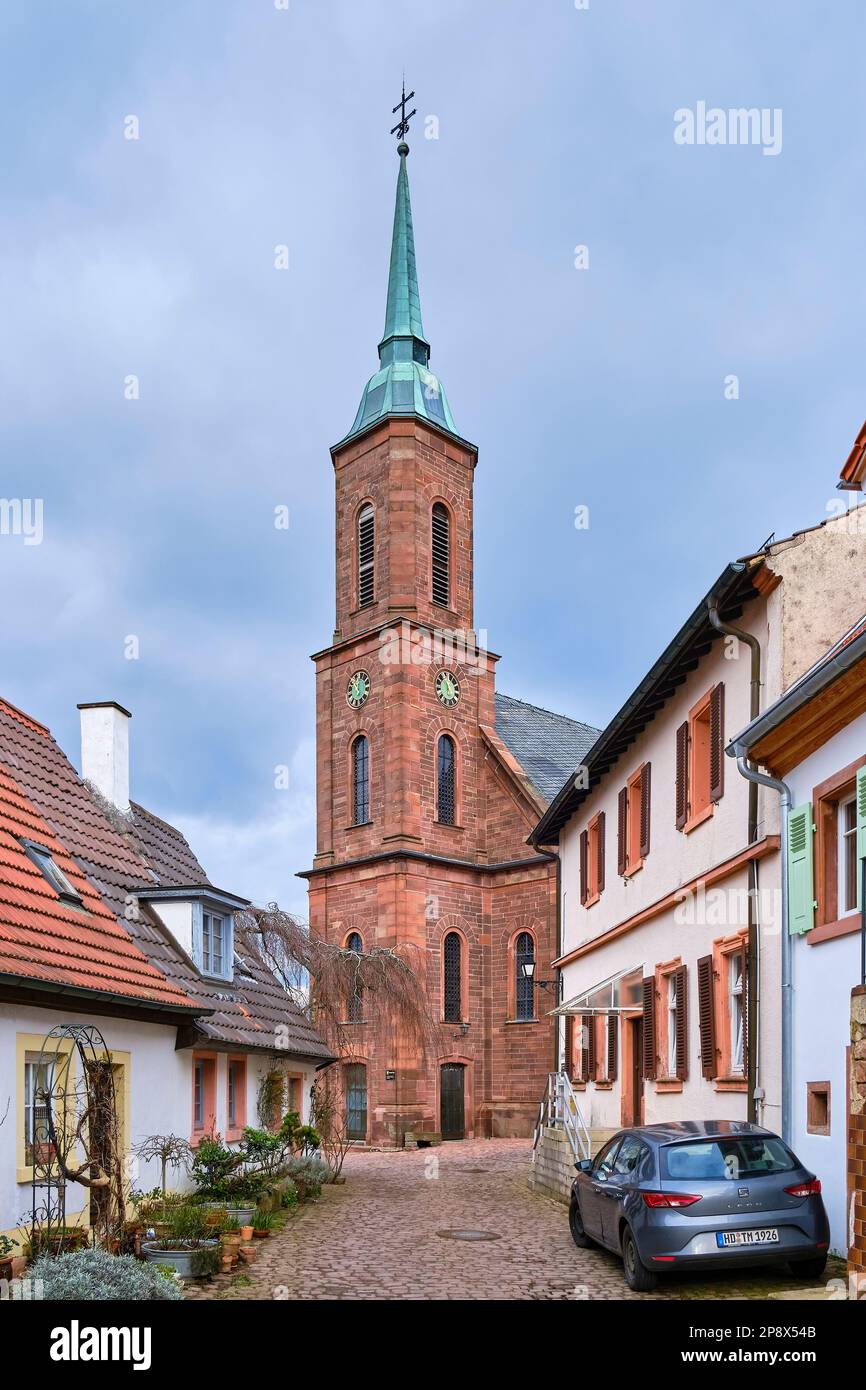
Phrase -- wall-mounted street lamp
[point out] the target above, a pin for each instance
(528, 968)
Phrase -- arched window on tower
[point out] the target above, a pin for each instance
(366, 556)
(452, 953)
(524, 994)
(445, 799)
(360, 780)
(355, 1006)
(441, 550)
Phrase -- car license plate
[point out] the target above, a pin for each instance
(768, 1236)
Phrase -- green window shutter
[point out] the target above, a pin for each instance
(861, 824)
(801, 892)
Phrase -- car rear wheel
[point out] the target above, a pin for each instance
(575, 1221)
(637, 1276)
(808, 1269)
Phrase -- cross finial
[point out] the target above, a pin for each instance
(401, 129)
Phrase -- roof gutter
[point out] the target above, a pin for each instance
(547, 829)
(31, 982)
(813, 683)
(753, 954)
(751, 773)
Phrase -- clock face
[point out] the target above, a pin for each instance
(358, 689)
(447, 688)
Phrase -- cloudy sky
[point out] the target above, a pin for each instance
(604, 387)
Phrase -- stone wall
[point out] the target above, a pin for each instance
(552, 1173)
(857, 1133)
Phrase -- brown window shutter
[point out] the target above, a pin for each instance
(591, 1053)
(707, 1017)
(584, 865)
(682, 998)
(645, 810)
(569, 1045)
(612, 1038)
(649, 1028)
(682, 774)
(717, 742)
(585, 1033)
(621, 832)
(599, 887)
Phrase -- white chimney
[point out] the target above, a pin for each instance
(105, 750)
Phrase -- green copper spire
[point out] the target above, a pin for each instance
(404, 384)
(403, 310)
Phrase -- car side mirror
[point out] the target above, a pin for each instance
(583, 1165)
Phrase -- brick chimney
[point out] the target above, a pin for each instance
(105, 750)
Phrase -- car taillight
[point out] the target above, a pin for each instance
(669, 1199)
(805, 1189)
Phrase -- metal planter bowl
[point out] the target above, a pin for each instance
(182, 1261)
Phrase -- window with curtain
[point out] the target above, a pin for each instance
(441, 551)
(445, 780)
(525, 990)
(452, 949)
(366, 556)
(735, 987)
(360, 781)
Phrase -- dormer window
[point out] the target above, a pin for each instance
(213, 943)
(52, 872)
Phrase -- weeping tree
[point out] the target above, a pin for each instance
(356, 1000)
(384, 988)
(168, 1150)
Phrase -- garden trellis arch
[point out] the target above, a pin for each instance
(75, 1138)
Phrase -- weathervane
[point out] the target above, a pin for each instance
(401, 129)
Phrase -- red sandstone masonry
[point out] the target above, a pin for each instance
(403, 467)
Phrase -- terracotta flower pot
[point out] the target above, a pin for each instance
(248, 1253)
(246, 1233)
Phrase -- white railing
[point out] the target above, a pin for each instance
(560, 1109)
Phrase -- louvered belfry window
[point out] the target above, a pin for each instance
(445, 780)
(366, 556)
(525, 991)
(360, 781)
(452, 950)
(441, 543)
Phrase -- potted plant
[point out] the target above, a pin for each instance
(189, 1247)
(6, 1257)
(263, 1224)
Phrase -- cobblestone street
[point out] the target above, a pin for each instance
(375, 1237)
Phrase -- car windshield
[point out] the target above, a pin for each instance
(752, 1156)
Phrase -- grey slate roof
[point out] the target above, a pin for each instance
(549, 747)
(127, 855)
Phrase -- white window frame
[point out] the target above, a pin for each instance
(672, 1023)
(31, 1085)
(844, 837)
(736, 967)
(204, 915)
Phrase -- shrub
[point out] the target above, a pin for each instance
(95, 1275)
(288, 1193)
(213, 1167)
(308, 1174)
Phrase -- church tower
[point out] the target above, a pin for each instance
(424, 796)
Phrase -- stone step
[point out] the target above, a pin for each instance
(599, 1137)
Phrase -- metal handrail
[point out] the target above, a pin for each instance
(560, 1110)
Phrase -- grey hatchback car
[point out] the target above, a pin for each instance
(705, 1195)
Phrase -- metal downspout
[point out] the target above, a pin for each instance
(753, 775)
(753, 1049)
